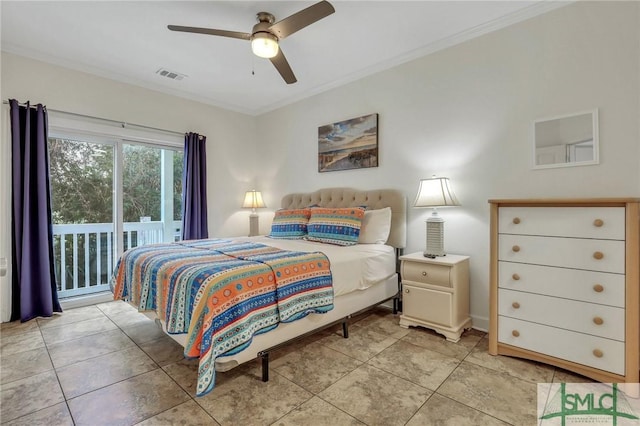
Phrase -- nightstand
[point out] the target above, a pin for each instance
(435, 293)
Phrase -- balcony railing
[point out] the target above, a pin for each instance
(83, 253)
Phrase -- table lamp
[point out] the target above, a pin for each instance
(435, 192)
(253, 201)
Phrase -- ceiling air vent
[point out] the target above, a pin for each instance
(170, 74)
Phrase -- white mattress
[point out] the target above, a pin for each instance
(355, 267)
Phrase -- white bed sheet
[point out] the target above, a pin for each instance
(356, 267)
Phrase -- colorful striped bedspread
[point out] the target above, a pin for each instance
(222, 292)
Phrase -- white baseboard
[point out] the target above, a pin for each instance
(480, 323)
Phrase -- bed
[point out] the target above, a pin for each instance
(360, 276)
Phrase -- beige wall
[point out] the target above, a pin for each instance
(466, 113)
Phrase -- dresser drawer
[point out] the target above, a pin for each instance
(583, 317)
(590, 254)
(587, 286)
(581, 222)
(597, 352)
(426, 273)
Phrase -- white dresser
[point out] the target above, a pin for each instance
(565, 284)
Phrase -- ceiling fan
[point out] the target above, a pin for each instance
(265, 35)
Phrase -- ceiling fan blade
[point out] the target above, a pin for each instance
(299, 20)
(281, 64)
(210, 31)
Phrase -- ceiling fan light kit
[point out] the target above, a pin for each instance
(265, 35)
(264, 45)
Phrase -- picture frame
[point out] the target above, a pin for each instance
(348, 144)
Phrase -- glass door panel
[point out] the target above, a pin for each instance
(152, 190)
(82, 208)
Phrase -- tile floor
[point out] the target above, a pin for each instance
(109, 365)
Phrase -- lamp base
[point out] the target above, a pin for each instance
(435, 237)
(254, 225)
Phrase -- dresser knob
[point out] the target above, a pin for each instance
(424, 274)
(515, 248)
(406, 290)
(598, 321)
(598, 255)
(598, 353)
(516, 220)
(515, 333)
(515, 305)
(515, 277)
(598, 288)
(598, 223)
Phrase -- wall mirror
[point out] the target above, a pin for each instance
(568, 140)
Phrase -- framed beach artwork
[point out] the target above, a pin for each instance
(349, 144)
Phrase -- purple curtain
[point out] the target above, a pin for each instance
(194, 188)
(33, 288)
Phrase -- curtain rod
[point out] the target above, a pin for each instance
(121, 123)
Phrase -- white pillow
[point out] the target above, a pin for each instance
(375, 227)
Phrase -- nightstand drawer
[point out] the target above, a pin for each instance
(426, 273)
(597, 352)
(423, 303)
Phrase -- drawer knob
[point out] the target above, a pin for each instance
(598, 321)
(516, 220)
(598, 288)
(406, 290)
(424, 274)
(598, 223)
(598, 255)
(515, 248)
(515, 305)
(515, 333)
(598, 353)
(515, 277)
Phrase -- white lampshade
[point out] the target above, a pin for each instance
(264, 45)
(253, 200)
(435, 192)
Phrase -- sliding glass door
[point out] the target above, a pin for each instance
(152, 190)
(109, 195)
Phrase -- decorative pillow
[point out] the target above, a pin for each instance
(376, 226)
(339, 226)
(290, 224)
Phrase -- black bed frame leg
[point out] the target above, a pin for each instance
(345, 329)
(265, 366)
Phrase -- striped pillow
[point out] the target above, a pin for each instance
(339, 226)
(290, 224)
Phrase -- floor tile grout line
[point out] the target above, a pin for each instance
(158, 367)
(435, 391)
(554, 369)
(191, 398)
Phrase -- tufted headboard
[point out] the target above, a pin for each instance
(347, 197)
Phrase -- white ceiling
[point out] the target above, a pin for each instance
(129, 41)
